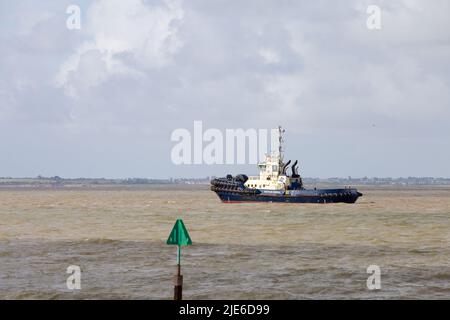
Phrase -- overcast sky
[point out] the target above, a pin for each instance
(103, 101)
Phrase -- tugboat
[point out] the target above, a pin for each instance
(274, 184)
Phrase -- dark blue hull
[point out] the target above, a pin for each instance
(294, 196)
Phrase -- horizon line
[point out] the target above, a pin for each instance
(208, 177)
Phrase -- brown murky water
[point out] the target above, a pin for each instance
(240, 251)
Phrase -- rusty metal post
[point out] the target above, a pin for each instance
(178, 288)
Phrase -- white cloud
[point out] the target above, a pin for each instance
(128, 36)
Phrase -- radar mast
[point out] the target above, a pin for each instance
(280, 144)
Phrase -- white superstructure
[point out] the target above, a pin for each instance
(272, 171)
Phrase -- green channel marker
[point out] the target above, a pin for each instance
(179, 236)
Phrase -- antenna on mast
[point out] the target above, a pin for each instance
(280, 142)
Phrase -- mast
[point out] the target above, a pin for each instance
(280, 144)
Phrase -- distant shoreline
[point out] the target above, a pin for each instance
(55, 183)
